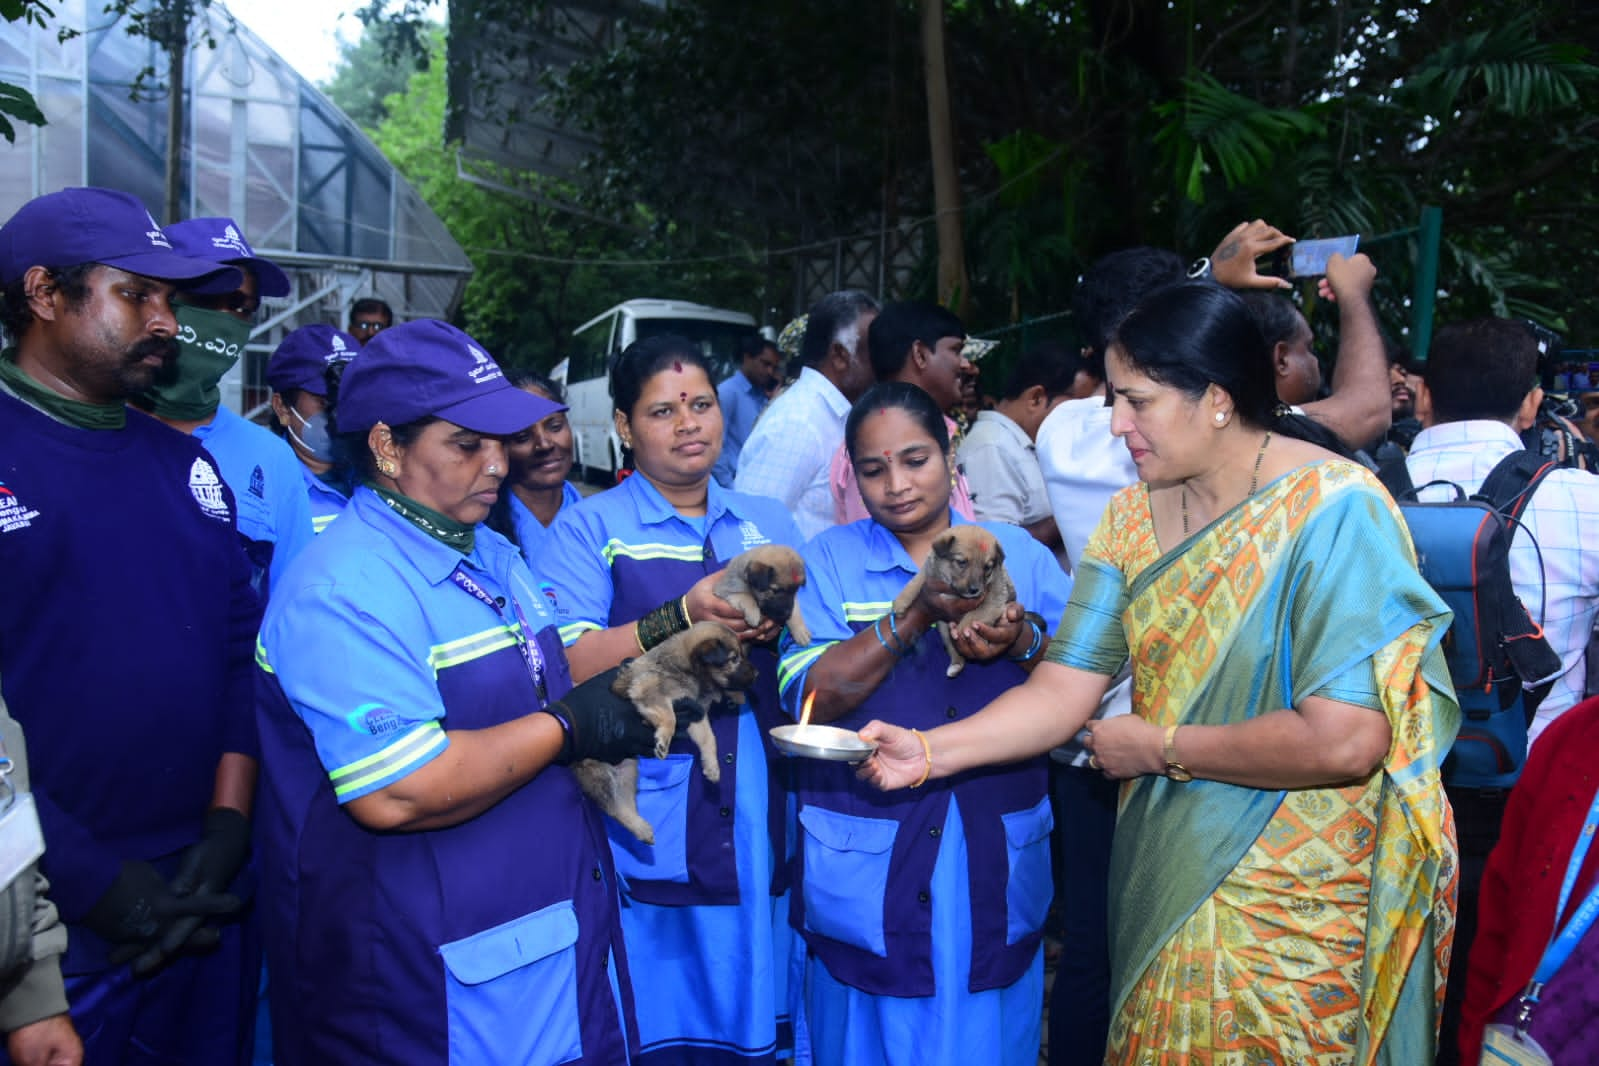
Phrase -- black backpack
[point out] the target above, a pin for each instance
(1493, 645)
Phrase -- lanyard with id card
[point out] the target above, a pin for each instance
(21, 839)
(528, 645)
(1510, 1044)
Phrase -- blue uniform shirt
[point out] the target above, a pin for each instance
(877, 926)
(326, 502)
(532, 536)
(742, 403)
(414, 946)
(634, 522)
(274, 514)
(700, 913)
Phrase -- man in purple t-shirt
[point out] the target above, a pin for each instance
(126, 634)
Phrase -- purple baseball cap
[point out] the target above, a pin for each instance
(219, 240)
(428, 367)
(89, 225)
(301, 361)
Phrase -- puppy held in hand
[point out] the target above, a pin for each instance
(969, 562)
(705, 664)
(762, 583)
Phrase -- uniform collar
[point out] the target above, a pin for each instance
(884, 552)
(654, 510)
(434, 560)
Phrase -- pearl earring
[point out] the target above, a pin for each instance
(1221, 419)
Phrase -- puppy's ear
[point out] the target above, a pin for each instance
(999, 553)
(761, 576)
(944, 544)
(712, 651)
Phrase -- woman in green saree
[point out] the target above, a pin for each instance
(1282, 879)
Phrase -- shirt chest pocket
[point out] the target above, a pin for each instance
(512, 991)
(846, 862)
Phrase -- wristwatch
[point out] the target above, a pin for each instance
(1199, 269)
(1174, 769)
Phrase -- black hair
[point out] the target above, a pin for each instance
(350, 450)
(1196, 334)
(643, 359)
(1483, 368)
(911, 399)
(368, 305)
(899, 326)
(16, 316)
(532, 379)
(831, 319)
(1276, 316)
(1113, 286)
(1052, 365)
(751, 345)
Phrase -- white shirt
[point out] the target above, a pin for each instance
(1002, 471)
(787, 454)
(1565, 502)
(1083, 467)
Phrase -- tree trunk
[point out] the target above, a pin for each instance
(177, 46)
(954, 291)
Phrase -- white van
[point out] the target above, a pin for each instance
(588, 385)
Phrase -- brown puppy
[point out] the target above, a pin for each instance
(970, 563)
(704, 663)
(762, 583)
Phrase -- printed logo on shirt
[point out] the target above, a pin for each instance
(14, 514)
(374, 719)
(483, 369)
(750, 535)
(258, 483)
(231, 241)
(549, 594)
(207, 490)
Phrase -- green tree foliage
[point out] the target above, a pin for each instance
(1090, 125)
(16, 103)
(540, 268)
(376, 66)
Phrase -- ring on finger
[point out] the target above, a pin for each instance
(1093, 762)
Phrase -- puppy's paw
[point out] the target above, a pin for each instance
(712, 772)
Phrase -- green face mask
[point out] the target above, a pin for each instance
(209, 343)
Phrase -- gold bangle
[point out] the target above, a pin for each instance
(927, 754)
(639, 640)
(682, 605)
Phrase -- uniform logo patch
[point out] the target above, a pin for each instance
(483, 369)
(549, 594)
(157, 238)
(750, 535)
(14, 514)
(258, 483)
(231, 241)
(374, 719)
(207, 490)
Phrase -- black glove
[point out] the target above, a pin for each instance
(205, 869)
(599, 724)
(140, 912)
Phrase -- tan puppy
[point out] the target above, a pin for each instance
(762, 583)
(970, 563)
(704, 663)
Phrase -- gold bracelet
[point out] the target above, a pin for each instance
(639, 640)
(927, 754)
(682, 605)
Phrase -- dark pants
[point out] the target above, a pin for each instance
(1478, 815)
(197, 1010)
(1079, 1004)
